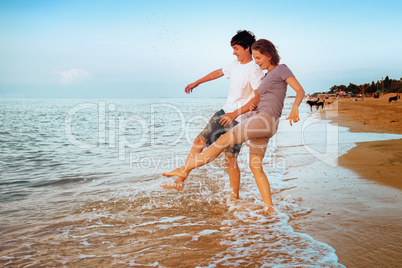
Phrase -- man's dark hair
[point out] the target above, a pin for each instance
(244, 39)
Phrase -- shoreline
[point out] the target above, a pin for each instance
(355, 205)
(378, 161)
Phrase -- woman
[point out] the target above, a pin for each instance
(257, 126)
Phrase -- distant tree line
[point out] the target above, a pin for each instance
(384, 86)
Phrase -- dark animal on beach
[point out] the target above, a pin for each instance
(394, 98)
(316, 103)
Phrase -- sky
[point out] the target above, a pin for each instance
(146, 49)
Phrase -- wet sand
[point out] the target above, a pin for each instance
(356, 205)
(378, 161)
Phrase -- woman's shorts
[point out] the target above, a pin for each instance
(214, 130)
(258, 128)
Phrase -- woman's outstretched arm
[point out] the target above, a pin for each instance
(294, 114)
(228, 118)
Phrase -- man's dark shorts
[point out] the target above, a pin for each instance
(214, 130)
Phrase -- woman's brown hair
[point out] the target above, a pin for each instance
(267, 48)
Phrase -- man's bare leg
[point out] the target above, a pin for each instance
(234, 175)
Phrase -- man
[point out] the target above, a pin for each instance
(245, 77)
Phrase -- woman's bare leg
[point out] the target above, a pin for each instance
(203, 158)
(262, 181)
(197, 148)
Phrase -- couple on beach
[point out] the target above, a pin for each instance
(251, 113)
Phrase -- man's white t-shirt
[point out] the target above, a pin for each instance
(244, 79)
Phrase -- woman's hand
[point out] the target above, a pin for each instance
(253, 107)
(227, 119)
(294, 115)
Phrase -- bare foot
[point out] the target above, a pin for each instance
(177, 185)
(234, 195)
(231, 199)
(179, 172)
(270, 210)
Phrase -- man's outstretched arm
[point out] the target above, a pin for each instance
(211, 76)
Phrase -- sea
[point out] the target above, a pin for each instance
(80, 187)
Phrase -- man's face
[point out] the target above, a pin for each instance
(240, 52)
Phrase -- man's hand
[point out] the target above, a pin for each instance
(189, 88)
(227, 119)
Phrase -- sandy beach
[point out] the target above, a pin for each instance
(356, 205)
(377, 161)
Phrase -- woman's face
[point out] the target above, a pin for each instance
(262, 60)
